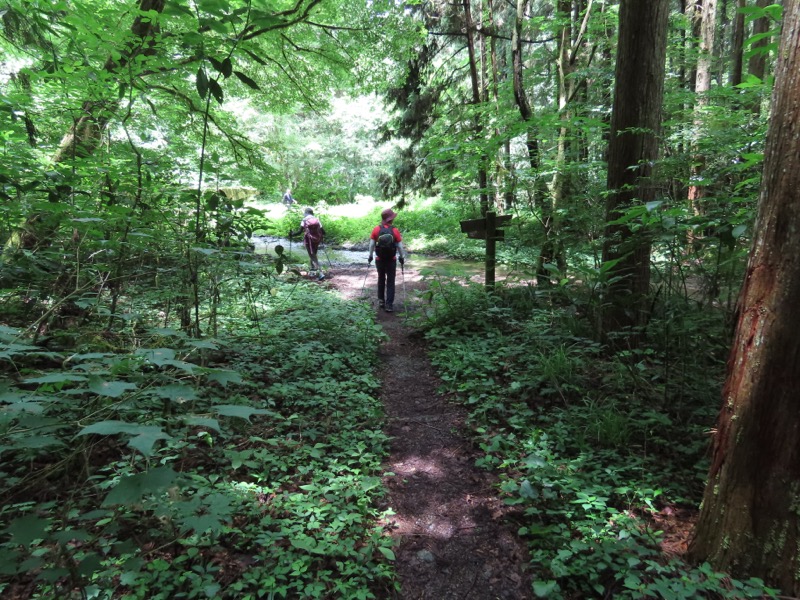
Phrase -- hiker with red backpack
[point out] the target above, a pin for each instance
(313, 234)
(386, 244)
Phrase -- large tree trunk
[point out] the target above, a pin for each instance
(737, 45)
(635, 122)
(749, 521)
(702, 85)
(477, 98)
(757, 65)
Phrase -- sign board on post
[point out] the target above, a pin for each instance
(473, 226)
(487, 229)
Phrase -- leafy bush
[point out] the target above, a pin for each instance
(588, 445)
(233, 467)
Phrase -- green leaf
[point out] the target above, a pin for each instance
(88, 356)
(304, 543)
(144, 436)
(182, 365)
(176, 392)
(533, 461)
(208, 344)
(35, 408)
(243, 412)
(526, 490)
(10, 332)
(266, 20)
(157, 356)
(175, 9)
(90, 564)
(246, 80)
(387, 552)
(224, 377)
(369, 483)
(9, 558)
(227, 68)
(147, 438)
(112, 389)
(217, 64)
(213, 201)
(543, 589)
(167, 331)
(204, 422)
(25, 530)
(10, 350)
(132, 488)
(23, 401)
(216, 90)
(202, 83)
(206, 251)
(202, 523)
(110, 427)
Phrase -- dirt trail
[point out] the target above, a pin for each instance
(453, 542)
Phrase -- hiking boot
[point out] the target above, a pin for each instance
(381, 303)
(388, 308)
(321, 276)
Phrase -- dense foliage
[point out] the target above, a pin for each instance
(596, 452)
(232, 466)
(170, 418)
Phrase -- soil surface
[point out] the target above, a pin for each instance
(453, 538)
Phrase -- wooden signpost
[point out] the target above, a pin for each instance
(487, 229)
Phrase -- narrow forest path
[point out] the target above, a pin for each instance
(453, 541)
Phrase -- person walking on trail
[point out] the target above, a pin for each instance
(386, 244)
(313, 234)
(287, 198)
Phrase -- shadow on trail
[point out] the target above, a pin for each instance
(454, 538)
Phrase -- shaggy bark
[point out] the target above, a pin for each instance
(749, 521)
(635, 122)
(737, 45)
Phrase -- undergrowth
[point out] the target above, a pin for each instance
(589, 447)
(149, 464)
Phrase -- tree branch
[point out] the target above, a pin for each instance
(285, 24)
(235, 142)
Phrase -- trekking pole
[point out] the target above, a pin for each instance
(364, 285)
(325, 249)
(403, 273)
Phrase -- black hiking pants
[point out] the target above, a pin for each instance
(387, 269)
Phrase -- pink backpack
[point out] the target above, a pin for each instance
(313, 228)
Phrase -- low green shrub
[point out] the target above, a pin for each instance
(242, 466)
(588, 445)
